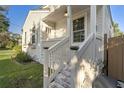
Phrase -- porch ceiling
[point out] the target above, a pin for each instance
(58, 14)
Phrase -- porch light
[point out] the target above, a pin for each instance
(66, 14)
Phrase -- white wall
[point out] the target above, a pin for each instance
(61, 26)
(34, 17)
(108, 24)
(107, 29)
(99, 39)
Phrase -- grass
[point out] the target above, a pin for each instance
(13, 75)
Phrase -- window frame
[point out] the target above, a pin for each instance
(77, 16)
(79, 29)
(33, 35)
(25, 38)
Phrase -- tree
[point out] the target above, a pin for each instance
(117, 31)
(4, 23)
(4, 7)
(4, 39)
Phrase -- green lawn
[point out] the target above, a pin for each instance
(18, 75)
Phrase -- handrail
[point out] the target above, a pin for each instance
(57, 55)
(58, 43)
(76, 59)
(85, 44)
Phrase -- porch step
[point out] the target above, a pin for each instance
(54, 84)
(66, 73)
(63, 79)
(67, 68)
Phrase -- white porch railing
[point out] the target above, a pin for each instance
(81, 63)
(56, 57)
(84, 54)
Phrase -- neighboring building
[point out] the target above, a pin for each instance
(71, 33)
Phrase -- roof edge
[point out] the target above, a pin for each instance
(31, 11)
(109, 9)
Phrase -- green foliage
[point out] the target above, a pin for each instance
(4, 26)
(4, 23)
(23, 57)
(17, 49)
(4, 8)
(117, 31)
(10, 45)
(4, 39)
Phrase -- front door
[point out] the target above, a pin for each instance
(78, 30)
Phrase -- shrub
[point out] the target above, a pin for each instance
(17, 49)
(23, 57)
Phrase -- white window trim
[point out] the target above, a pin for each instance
(76, 16)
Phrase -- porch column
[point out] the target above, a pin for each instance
(93, 27)
(69, 34)
(69, 23)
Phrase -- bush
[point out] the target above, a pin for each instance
(17, 49)
(10, 45)
(23, 57)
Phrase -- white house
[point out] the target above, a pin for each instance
(69, 40)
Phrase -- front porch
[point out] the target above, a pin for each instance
(80, 26)
(73, 21)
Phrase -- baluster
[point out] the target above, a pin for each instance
(59, 56)
(55, 57)
(53, 53)
(52, 61)
(49, 64)
(46, 69)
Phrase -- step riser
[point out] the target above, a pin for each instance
(63, 79)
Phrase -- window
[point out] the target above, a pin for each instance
(25, 38)
(78, 30)
(33, 39)
(33, 29)
(37, 37)
(33, 35)
(48, 32)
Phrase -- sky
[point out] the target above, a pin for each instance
(117, 12)
(18, 14)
